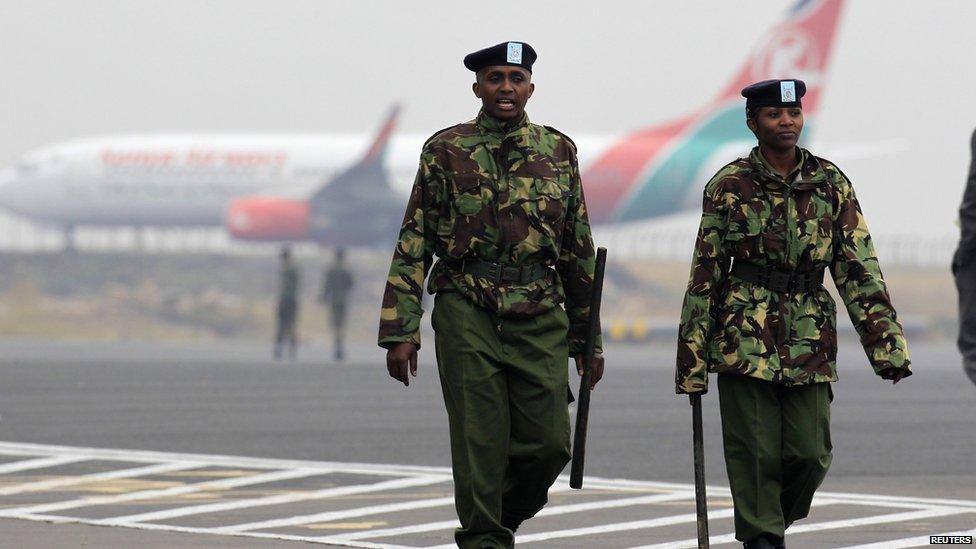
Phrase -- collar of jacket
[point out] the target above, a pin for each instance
(811, 174)
(497, 128)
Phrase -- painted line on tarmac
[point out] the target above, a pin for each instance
(868, 499)
(98, 477)
(112, 454)
(338, 515)
(820, 526)
(20, 448)
(281, 469)
(546, 512)
(292, 497)
(191, 530)
(162, 492)
(917, 541)
(39, 463)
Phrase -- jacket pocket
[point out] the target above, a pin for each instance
(744, 235)
(467, 194)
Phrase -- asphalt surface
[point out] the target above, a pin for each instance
(916, 439)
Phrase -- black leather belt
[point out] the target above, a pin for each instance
(501, 272)
(776, 280)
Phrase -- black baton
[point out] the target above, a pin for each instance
(701, 505)
(583, 403)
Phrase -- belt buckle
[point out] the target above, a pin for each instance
(509, 273)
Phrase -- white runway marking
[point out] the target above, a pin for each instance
(269, 522)
(339, 515)
(547, 512)
(98, 477)
(277, 500)
(159, 493)
(39, 463)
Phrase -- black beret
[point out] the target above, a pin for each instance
(516, 54)
(774, 93)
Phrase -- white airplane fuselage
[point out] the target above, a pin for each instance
(182, 180)
(186, 179)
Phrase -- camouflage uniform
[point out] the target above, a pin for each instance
(287, 309)
(337, 284)
(511, 194)
(781, 348)
(964, 270)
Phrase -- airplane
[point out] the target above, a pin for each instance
(334, 214)
(270, 187)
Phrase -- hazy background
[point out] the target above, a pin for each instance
(902, 71)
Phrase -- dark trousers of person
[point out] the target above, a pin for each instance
(338, 317)
(964, 270)
(777, 450)
(287, 314)
(504, 385)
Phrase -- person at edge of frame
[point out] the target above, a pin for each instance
(288, 283)
(337, 284)
(964, 269)
(757, 314)
(498, 201)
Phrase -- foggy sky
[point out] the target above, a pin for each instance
(900, 69)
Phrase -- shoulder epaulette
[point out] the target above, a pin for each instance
(564, 136)
(438, 132)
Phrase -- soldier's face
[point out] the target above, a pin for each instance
(504, 91)
(777, 127)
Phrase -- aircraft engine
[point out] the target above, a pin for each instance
(266, 218)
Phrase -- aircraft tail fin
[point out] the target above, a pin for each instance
(377, 148)
(798, 47)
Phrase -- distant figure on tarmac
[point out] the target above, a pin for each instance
(498, 201)
(964, 269)
(336, 288)
(757, 314)
(288, 283)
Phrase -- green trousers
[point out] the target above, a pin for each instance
(777, 450)
(504, 385)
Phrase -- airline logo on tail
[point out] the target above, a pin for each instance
(660, 171)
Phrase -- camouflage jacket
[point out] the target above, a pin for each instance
(288, 283)
(807, 221)
(501, 193)
(337, 284)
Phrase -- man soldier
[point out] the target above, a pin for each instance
(498, 201)
(964, 270)
(336, 287)
(287, 305)
(756, 312)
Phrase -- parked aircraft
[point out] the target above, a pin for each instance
(324, 188)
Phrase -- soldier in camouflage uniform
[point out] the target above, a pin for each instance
(498, 201)
(287, 305)
(757, 314)
(336, 286)
(964, 270)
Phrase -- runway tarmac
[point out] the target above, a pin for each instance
(191, 441)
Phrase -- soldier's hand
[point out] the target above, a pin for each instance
(401, 358)
(597, 372)
(894, 374)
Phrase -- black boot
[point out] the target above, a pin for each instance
(761, 542)
(511, 522)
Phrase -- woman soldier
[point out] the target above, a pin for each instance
(757, 314)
